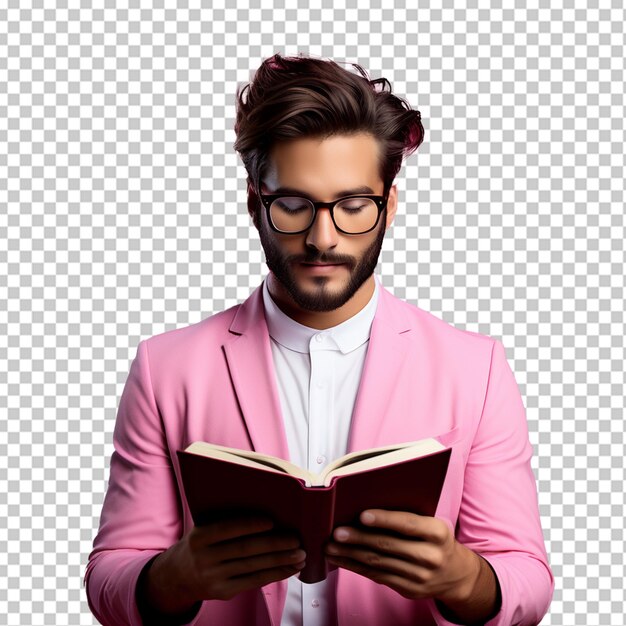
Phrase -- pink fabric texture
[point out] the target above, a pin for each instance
(214, 381)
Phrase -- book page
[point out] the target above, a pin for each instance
(378, 457)
(250, 458)
(353, 462)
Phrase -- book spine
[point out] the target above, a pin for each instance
(316, 528)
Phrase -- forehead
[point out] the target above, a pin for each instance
(324, 166)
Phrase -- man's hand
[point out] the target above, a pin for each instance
(418, 557)
(218, 561)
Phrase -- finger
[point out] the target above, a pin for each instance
(417, 526)
(261, 578)
(377, 561)
(224, 530)
(251, 545)
(384, 543)
(403, 586)
(251, 565)
(421, 553)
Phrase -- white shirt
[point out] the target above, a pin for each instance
(318, 375)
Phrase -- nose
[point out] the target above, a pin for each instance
(322, 234)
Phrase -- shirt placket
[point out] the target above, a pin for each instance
(321, 409)
(321, 404)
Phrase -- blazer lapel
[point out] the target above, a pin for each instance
(251, 368)
(386, 353)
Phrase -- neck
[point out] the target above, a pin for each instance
(324, 319)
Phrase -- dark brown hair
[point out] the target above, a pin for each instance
(292, 97)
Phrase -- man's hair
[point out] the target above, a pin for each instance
(295, 97)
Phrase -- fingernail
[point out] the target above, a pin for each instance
(341, 534)
(332, 548)
(300, 565)
(367, 518)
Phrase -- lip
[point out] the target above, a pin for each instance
(320, 268)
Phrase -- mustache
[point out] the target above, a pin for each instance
(323, 258)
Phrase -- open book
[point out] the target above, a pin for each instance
(220, 481)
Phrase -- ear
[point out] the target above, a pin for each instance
(392, 205)
(254, 205)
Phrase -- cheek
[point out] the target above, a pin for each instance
(285, 246)
(366, 246)
(290, 245)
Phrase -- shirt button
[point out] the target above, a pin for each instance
(319, 338)
(320, 459)
(315, 603)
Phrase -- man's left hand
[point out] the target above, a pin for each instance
(419, 558)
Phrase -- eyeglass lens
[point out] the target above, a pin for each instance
(353, 215)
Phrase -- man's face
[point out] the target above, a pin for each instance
(324, 170)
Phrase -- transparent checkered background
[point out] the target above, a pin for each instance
(122, 215)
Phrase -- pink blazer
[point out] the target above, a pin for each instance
(214, 381)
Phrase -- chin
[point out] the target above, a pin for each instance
(323, 300)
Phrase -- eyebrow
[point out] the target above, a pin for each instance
(346, 192)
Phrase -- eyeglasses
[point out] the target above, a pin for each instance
(352, 215)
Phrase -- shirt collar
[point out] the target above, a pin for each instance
(344, 337)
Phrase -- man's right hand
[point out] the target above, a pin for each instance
(216, 562)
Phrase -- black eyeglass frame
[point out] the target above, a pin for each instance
(381, 204)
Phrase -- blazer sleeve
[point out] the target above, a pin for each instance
(142, 513)
(499, 514)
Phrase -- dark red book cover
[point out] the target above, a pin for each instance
(216, 489)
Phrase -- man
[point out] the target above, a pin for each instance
(319, 361)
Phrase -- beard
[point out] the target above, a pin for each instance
(321, 299)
